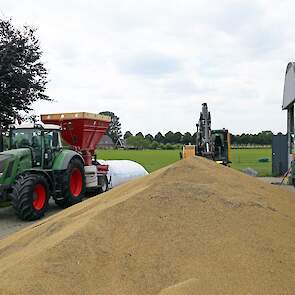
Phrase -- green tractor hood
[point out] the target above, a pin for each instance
(12, 162)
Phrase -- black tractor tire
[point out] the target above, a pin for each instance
(73, 185)
(29, 196)
(103, 181)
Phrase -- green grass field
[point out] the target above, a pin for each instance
(155, 159)
(243, 158)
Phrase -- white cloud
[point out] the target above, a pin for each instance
(154, 62)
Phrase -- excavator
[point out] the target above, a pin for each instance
(211, 144)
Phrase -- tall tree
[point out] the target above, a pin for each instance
(187, 138)
(127, 134)
(23, 77)
(169, 137)
(149, 137)
(114, 131)
(177, 137)
(159, 137)
(139, 134)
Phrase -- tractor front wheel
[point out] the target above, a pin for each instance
(73, 185)
(29, 197)
(104, 185)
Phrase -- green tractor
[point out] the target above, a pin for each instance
(35, 167)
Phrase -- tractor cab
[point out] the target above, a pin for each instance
(43, 141)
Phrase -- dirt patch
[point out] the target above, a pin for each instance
(192, 228)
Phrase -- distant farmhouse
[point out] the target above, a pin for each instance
(106, 143)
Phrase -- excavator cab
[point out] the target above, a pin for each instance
(221, 146)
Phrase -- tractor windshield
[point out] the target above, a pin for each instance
(23, 138)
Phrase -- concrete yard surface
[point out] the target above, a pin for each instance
(10, 223)
(277, 182)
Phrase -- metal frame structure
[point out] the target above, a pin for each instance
(288, 104)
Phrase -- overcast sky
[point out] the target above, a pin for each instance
(154, 62)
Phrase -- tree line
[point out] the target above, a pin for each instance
(261, 138)
(172, 140)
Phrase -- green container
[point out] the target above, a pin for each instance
(263, 160)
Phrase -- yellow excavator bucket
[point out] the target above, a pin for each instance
(188, 151)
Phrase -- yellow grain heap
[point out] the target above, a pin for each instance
(192, 228)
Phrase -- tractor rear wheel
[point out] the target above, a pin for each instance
(29, 197)
(73, 185)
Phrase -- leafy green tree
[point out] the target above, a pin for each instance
(169, 146)
(138, 142)
(265, 137)
(23, 77)
(173, 138)
(132, 141)
(177, 137)
(187, 138)
(159, 137)
(139, 134)
(169, 137)
(114, 130)
(127, 134)
(261, 138)
(149, 137)
(155, 145)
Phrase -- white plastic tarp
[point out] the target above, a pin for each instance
(289, 87)
(121, 171)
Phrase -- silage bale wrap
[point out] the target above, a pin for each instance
(121, 171)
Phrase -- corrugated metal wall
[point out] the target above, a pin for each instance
(279, 154)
